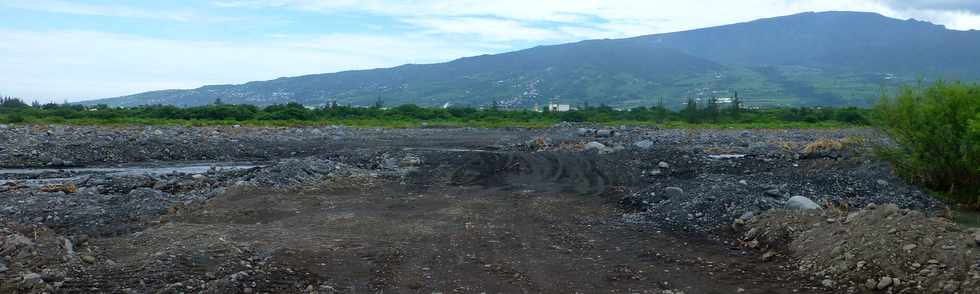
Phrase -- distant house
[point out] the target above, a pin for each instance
(555, 107)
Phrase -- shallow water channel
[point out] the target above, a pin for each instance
(43, 176)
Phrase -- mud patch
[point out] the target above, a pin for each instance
(581, 173)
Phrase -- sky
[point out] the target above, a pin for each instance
(54, 51)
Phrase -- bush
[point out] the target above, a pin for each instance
(937, 137)
(14, 118)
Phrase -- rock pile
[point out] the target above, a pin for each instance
(878, 248)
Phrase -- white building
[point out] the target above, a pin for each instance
(555, 107)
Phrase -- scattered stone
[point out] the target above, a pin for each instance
(594, 146)
(950, 287)
(747, 216)
(410, 161)
(31, 279)
(827, 283)
(743, 182)
(56, 162)
(768, 255)
(645, 144)
(663, 164)
(909, 247)
(88, 258)
(674, 192)
(801, 203)
(67, 188)
(605, 133)
(773, 193)
(883, 283)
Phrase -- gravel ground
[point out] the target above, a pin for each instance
(690, 183)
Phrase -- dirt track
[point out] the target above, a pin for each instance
(423, 211)
(383, 236)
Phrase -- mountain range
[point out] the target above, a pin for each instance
(807, 59)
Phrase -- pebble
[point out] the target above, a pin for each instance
(663, 165)
(594, 146)
(909, 247)
(645, 144)
(31, 279)
(88, 259)
(674, 192)
(827, 283)
(883, 283)
(768, 255)
(773, 193)
(950, 287)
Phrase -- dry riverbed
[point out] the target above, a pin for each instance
(566, 209)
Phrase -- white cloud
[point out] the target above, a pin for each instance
(497, 30)
(99, 9)
(626, 17)
(80, 64)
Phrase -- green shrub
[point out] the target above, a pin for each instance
(937, 137)
(15, 118)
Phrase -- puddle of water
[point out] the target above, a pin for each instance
(445, 149)
(726, 156)
(118, 171)
(154, 170)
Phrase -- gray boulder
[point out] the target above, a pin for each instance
(801, 203)
(594, 146)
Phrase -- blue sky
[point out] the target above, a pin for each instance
(55, 50)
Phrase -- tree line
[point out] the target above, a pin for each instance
(14, 110)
